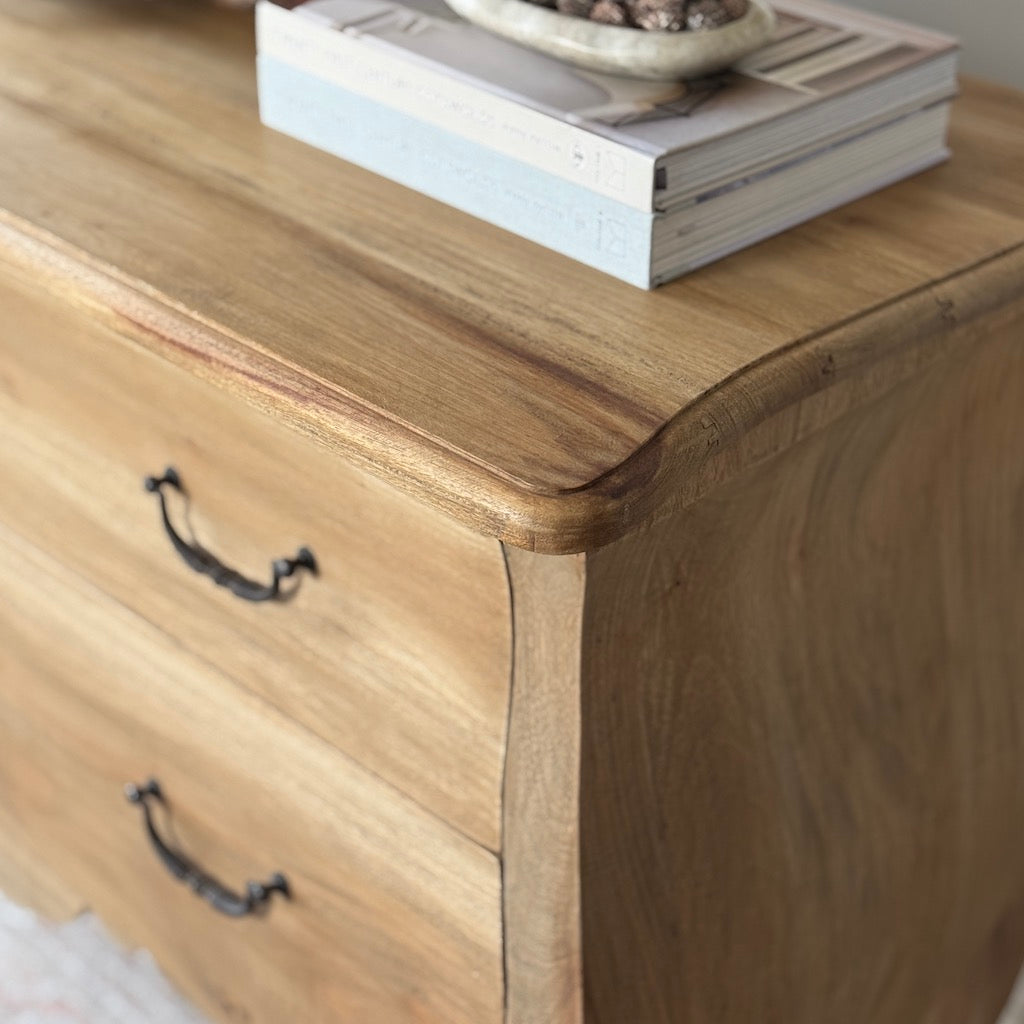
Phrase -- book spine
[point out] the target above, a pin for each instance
(380, 73)
(586, 227)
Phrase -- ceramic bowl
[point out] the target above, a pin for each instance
(659, 56)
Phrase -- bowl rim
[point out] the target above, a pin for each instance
(619, 48)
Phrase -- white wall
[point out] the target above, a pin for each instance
(992, 31)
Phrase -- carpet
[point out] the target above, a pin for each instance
(75, 973)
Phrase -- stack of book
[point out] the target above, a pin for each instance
(645, 181)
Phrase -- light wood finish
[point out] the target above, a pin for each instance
(543, 955)
(340, 302)
(801, 720)
(27, 881)
(764, 734)
(803, 725)
(395, 916)
(398, 652)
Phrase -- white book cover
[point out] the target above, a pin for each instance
(606, 133)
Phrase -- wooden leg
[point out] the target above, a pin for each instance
(982, 993)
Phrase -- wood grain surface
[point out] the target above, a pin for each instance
(764, 739)
(535, 399)
(398, 651)
(803, 725)
(540, 849)
(27, 880)
(395, 916)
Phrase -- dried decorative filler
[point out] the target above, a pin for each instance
(654, 15)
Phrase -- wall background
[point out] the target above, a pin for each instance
(992, 31)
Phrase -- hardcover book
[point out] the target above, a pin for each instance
(642, 248)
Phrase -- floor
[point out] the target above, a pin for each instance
(76, 974)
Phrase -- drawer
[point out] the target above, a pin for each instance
(394, 916)
(398, 652)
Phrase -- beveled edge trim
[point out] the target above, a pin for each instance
(755, 413)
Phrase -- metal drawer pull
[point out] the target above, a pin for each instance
(257, 894)
(199, 559)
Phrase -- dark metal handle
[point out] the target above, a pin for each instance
(199, 559)
(221, 898)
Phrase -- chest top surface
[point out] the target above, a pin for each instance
(531, 397)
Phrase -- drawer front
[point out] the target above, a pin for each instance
(398, 652)
(394, 916)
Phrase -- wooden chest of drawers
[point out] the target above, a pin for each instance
(658, 658)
